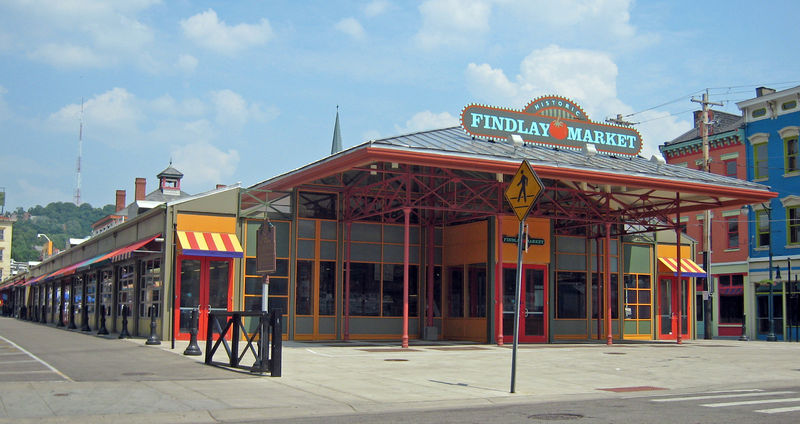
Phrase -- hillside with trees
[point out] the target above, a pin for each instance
(60, 221)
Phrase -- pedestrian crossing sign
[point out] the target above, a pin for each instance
(523, 191)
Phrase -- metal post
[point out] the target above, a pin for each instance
(193, 349)
(153, 339)
(517, 296)
(102, 330)
(743, 337)
(85, 316)
(679, 337)
(771, 336)
(71, 319)
(499, 281)
(607, 285)
(60, 307)
(277, 343)
(346, 335)
(124, 333)
(407, 218)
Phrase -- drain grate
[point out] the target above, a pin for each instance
(615, 353)
(396, 360)
(555, 417)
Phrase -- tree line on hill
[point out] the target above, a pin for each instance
(60, 221)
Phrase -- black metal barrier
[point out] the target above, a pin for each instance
(267, 350)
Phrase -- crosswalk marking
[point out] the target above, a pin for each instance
(750, 402)
(763, 398)
(779, 410)
(738, 395)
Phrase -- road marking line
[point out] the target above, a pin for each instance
(779, 410)
(25, 372)
(678, 399)
(16, 362)
(64, 376)
(750, 402)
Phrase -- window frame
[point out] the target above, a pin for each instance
(793, 225)
(759, 214)
(731, 229)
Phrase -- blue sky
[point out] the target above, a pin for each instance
(243, 91)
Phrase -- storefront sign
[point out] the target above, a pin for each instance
(552, 121)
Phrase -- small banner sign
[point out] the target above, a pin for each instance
(265, 248)
(552, 121)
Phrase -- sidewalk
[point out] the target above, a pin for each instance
(363, 377)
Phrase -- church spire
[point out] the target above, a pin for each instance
(336, 145)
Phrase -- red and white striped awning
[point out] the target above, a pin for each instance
(688, 267)
(221, 245)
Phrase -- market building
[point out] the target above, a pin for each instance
(412, 237)
(772, 123)
(727, 262)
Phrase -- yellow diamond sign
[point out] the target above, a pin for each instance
(524, 190)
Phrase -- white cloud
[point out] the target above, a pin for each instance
(111, 118)
(187, 63)
(80, 34)
(452, 23)
(234, 111)
(207, 164)
(67, 56)
(588, 77)
(427, 120)
(609, 18)
(658, 127)
(375, 8)
(351, 27)
(208, 31)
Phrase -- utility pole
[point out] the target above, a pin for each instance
(619, 121)
(707, 304)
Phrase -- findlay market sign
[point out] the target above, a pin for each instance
(553, 121)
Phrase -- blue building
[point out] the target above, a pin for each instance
(772, 124)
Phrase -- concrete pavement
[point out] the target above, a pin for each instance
(321, 378)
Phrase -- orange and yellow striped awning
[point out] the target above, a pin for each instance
(689, 268)
(221, 245)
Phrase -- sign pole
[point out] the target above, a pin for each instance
(517, 295)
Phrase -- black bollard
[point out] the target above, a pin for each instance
(193, 349)
(60, 322)
(261, 365)
(85, 319)
(43, 319)
(153, 339)
(743, 337)
(277, 343)
(71, 319)
(102, 330)
(124, 333)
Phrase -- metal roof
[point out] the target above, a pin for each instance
(722, 122)
(455, 141)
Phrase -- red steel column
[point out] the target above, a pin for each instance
(599, 307)
(498, 286)
(679, 286)
(348, 226)
(429, 279)
(406, 218)
(607, 262)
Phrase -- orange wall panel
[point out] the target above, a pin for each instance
(465, 244)
(207, 223)
(537, 228)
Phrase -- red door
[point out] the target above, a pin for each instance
(533, 304)
(204, 284)
(670, 310)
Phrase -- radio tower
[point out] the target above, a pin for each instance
(78, 167)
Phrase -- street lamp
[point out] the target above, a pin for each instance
(49, 243)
